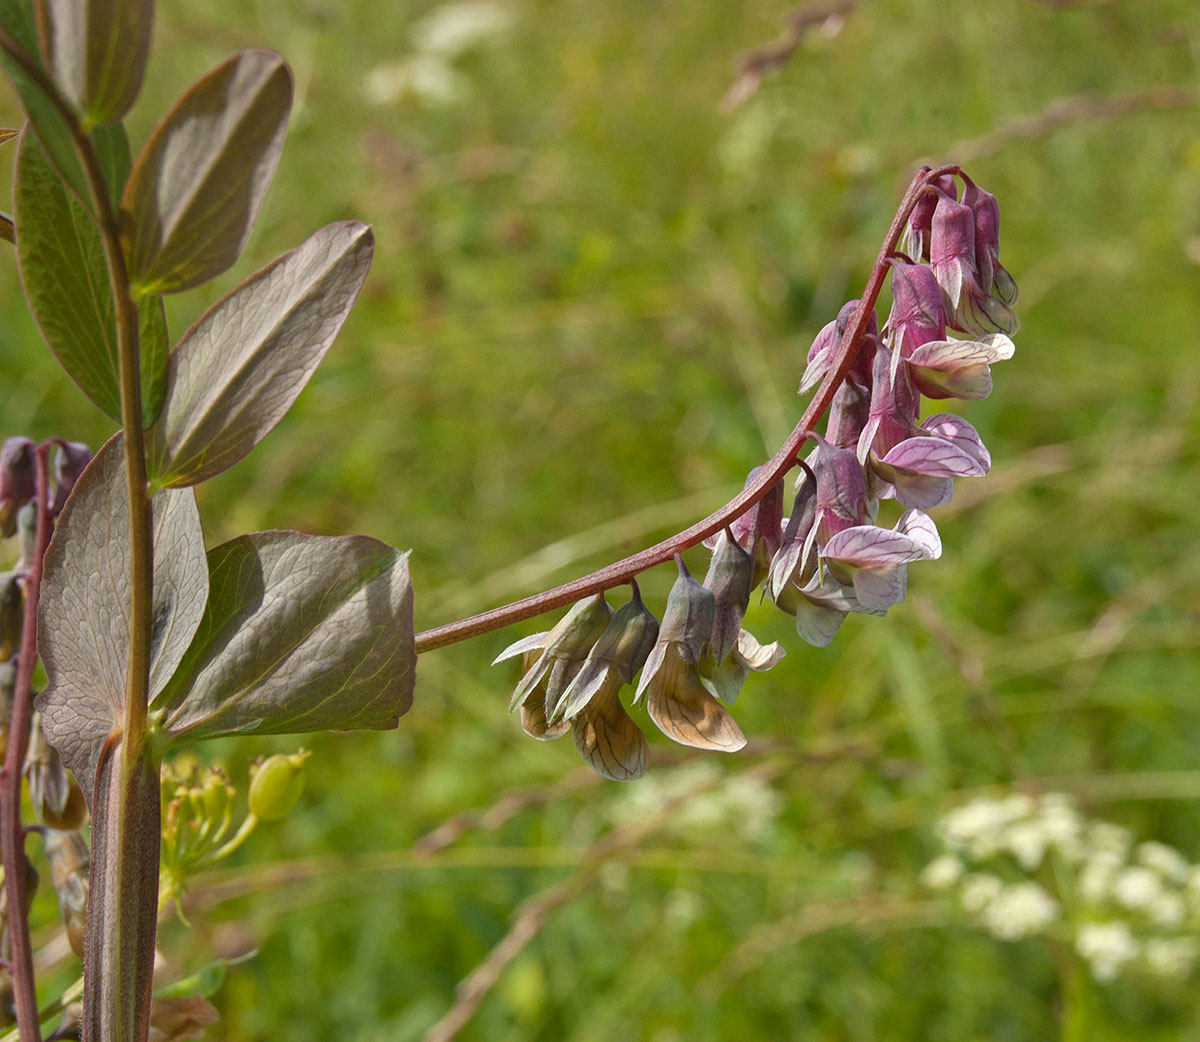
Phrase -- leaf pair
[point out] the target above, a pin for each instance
(275, 632)
(186, 211)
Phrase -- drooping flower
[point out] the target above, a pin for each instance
(605, 734)
(958, 368)
(874, 560)
(969, 307)
(560, 654)
(676, 699)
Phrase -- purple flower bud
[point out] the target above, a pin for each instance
(842, 499)
(824, 348)
(920, 221)
(794, 561)
(688, 618)
(970, 308)
(757, 531)
(987, 242)
(69, 462)
(849, 412)
(729, 577)
(895, 404)
(918, 308)
(18, 480)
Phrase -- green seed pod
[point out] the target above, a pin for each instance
(276, 784)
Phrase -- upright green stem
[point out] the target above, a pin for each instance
(622, 571)
(121, 834)
(12, 834)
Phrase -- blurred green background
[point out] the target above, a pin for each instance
(592, 296)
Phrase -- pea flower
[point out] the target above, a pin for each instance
(605, 734)
(676, 698)
(970, 308)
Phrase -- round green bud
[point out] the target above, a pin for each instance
(276, 784)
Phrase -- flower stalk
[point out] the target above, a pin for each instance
(769, 475)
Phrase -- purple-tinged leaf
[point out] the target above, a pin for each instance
(199, 182)
(936, 457)
(61, 257)
(964, 437)
(83, 614)
(118, 957)
(97, 51)
(237, 371)
(300, 633)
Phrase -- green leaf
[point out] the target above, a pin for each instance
(118, 955)
(301, 633)
(52, 128)
(154, 342)
(83, 614)
(205, 981)
(112, 149)
(198, 184)
(237, 371)
(97, 51)
(66, 280)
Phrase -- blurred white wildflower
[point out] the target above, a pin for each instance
(1167, 861)
(1096, 880)
(451, 29)
(1142, 903)
(942, 872)
(1027, 841)
(424, 76)
(1106, 947)
(1107, 837)
(1171, 957)
(979, 890)
(1137, 888)
(1019, 910)
(428, 72)
(741, 805)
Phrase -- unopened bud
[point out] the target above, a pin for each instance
(615, 658)
(276, 785)
(688, 618)
(70, 461)
(729, 578)
(18, 480)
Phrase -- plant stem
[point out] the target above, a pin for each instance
(772, 472)
(12, 834)
(128, 885)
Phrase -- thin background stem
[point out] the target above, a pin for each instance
(12, 834)
(623, 571)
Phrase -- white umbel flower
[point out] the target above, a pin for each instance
(1106, 947)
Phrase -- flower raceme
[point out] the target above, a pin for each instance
(832, 556)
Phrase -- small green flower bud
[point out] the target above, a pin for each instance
(276, 784)
(218, 795)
